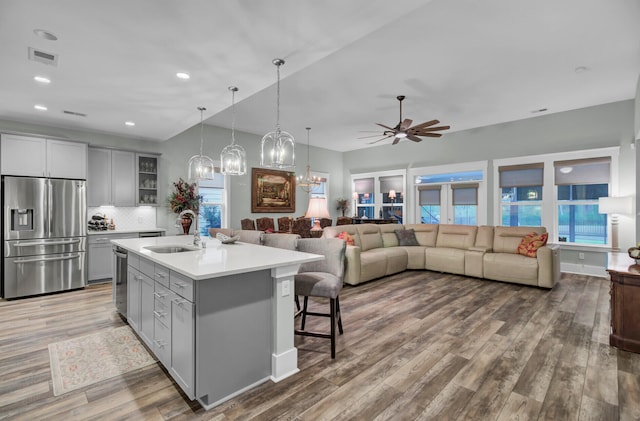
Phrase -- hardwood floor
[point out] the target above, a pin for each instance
(418, 345)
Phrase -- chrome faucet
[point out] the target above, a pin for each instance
(196, 237)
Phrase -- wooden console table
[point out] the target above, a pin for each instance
(625, 302)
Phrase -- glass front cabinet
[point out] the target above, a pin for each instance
(147, 180)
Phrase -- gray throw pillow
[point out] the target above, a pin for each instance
(407, 238)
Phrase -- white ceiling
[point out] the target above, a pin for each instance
(468, 63)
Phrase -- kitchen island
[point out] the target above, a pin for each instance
(219, 318)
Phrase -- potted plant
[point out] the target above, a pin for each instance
(343, 205)
(183, 198)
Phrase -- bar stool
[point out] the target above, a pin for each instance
(322, 279)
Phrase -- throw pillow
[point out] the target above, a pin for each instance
(531, 242)
(407, 238)
(347, 238)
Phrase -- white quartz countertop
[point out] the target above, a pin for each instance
(125, 231)
(216, 259)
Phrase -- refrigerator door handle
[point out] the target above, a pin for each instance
(46, 243)
(45, 259)
(49, 204)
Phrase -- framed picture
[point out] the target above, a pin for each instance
(272, 191)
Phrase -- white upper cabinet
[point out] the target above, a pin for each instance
(39, 157)
(24, 156)
(111, 178)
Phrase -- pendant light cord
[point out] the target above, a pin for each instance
(308, 130)
(278, 99)
(233, 90)
(201, 130)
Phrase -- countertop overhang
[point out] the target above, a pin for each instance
(216, 259)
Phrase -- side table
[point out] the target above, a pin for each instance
(625, 302)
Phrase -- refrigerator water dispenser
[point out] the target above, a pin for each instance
(21, 219)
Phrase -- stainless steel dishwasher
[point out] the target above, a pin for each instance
(120, 280)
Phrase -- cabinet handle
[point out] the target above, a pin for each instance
(159, 315)
(159, 344)
(137, 278)
(179, 301)
(161, 275)
(180, 284)
(160, 295)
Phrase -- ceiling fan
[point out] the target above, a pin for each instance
(404, 130)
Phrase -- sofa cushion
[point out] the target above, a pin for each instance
(370, 237)
(507, 239)
(373, 264)
(445, 259)
(415, 256)
(530, 244)
(407, 238)
(388, 233)
(426, 234)
(456, 236)
(334, 232)
(510, 267)
(396, 260)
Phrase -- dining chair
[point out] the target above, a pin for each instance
(326, 222)
(247, 224)
(302, 227)
(265, 224)
(284, 224)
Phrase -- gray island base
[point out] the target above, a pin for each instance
(220, 318)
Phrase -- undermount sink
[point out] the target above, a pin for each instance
(171, 249)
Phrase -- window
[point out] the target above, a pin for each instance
(322, 189)
(379, 195)
(465, 203)
(212, 207)
(521, 194)
(579, 184)
(429, 199)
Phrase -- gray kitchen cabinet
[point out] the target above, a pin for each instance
(147, 179)
(182, 344)
(134, 279)
(46, 157)
(100, 255)
(146, 310)
(111, 178)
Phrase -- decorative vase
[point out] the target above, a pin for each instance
(186, 225)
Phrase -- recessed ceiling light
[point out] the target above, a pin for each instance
(581, 69)
(129, 123)
(40, 107)
(182, 75)
(45, 34)
(42, 79)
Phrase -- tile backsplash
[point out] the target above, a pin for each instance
(127, 217)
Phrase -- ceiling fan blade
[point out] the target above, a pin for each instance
(414, 138)
(431, 134)
(373, 135)
(386, 127)
(426, 124)
(405, 124)
(396, 140)
(376, 141)
(432, 129)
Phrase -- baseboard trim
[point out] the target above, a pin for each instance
(590, 270)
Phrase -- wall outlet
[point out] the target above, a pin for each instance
(581, 256)
(286, 288)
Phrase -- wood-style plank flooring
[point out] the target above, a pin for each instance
(417, 345)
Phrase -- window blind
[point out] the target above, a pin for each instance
(521, 175)
(429, 195)
(583, 171)
(465, 194)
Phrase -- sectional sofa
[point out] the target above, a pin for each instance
(478, 251)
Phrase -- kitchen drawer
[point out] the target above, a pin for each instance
(147, 267)
(162, 296)
(162, 313)
(162, 343)
(162, 275)
(181, 285)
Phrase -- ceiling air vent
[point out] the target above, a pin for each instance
(74, 113)
(43, 57)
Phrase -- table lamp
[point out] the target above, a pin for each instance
(317, 209)
(614, 206)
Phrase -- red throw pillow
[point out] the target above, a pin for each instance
(269, 231)
(531, 243)
(347, 238)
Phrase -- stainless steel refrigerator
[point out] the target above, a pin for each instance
(44, 235)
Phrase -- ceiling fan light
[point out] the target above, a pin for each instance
(401, 135)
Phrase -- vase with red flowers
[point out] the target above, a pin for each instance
(184, 197)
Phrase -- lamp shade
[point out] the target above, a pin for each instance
(317, 208)
(615, 205)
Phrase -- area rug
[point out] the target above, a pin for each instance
(79, 362)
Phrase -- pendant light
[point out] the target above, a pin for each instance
(278, 147)
(307, 182)
(201, 166)
(233, 158)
